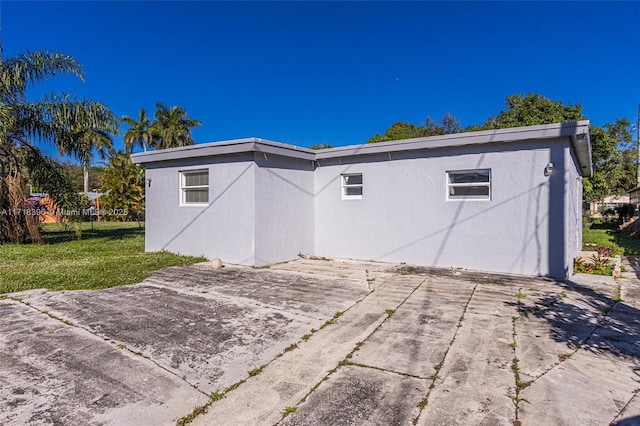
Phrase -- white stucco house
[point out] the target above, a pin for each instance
(505, 200)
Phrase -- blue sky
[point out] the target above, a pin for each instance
(335, 72)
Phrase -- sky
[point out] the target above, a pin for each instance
(334, 72)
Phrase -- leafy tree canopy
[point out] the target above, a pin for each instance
(60, 120)
(404, 130)
(123, 186)
(613, 149)
(171, 128)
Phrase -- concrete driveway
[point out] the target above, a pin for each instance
(325, 342)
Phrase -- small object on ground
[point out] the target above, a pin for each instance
(216, 263)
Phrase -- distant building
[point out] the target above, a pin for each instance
(507, 200)
(610, 202)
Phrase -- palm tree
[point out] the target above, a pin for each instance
(123, 184)
(84, 145)
(139, 132)
(172, 128)
(61, 121)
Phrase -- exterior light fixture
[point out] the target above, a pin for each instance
(548, 171)
(148, 183)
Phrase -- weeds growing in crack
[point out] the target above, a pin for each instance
(288, 410)
(216, 396)
(255, 371)
(291, 347)
(618, 296)
(425, 401)
(389, 312)
(515, 368)
(201, 409)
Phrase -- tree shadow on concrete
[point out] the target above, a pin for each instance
(588, 319)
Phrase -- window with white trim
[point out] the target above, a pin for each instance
(469, 184)
(194, 187)
(351, 186)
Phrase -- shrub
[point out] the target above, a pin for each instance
(604, 251)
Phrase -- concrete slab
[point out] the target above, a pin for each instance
(56, 374)
(476, 382)
(318, 296)
(209, 326)
(419, 333)
(586, 390)
(212, 326)
(361, 396)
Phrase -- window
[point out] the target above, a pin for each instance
(194, 187)
(352, 186)
(469, 185)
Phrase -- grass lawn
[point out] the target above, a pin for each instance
(110, 254)
(601, 235)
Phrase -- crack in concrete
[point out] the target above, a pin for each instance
(399, 373)
(516, 368)
(108, 340)
(617, 416)
(346, 361)
(425, 401)
(579, 346)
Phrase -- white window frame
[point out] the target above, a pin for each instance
(467, 184)
(184, 188)
(344, 186)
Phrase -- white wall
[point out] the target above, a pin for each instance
(224, 228)
(404, 215)
(284, 208)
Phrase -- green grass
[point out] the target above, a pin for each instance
(602, 236)
(110, 254)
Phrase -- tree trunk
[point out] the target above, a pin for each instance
(85, 178)
(16, 218)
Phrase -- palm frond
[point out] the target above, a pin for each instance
(25, 69)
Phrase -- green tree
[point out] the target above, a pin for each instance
(139, 132)
(613, 156)
(533, 109)
(123, 186)
(58, 120)
(321, 146)
(405, 130)
(172, 127)
(85, 144)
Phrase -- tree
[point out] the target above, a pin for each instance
(85, 144)
(405, 130)
(172, 127)
(58, 120)
(321, 146)
(139, 133)
(613, 156)
(123, 185)
(533, 109)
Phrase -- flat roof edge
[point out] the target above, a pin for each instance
(578, 132)
(232, 146)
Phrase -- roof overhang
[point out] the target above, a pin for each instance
(234, 146)
(577, 132)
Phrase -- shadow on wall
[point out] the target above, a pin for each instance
(558, 267)
(205, 209)
(488, 210)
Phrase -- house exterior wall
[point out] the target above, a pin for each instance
(573, 212)
(404, 215)
(224, 228)
(284, 208)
